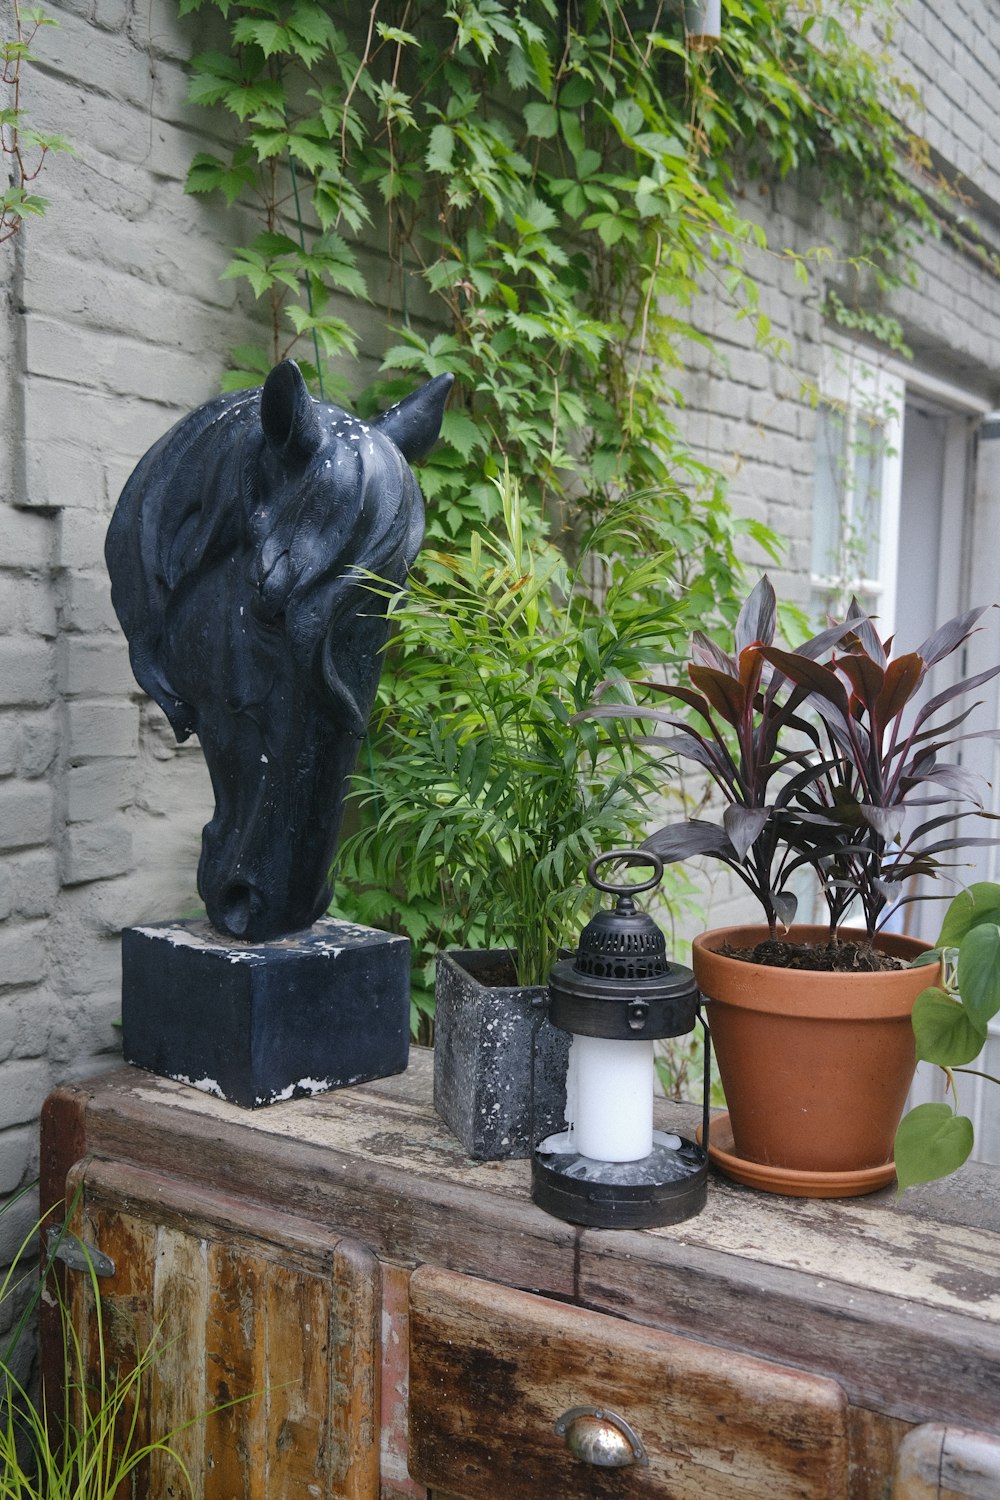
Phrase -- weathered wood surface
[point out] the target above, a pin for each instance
(492, 1369)
(381, 1167)
(937, 1462)
(395, 1476)
(895, 1352)
(272, 1326)
(899, 1303)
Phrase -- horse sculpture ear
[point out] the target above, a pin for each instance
(414, 423)
(288, 412)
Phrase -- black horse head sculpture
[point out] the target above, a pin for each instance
(235, 553)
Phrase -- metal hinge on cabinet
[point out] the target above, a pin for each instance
(77, 1255)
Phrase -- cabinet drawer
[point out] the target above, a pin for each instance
(492, 1370)
(271, 1327)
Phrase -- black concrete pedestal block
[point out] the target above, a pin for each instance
(499, 1063)
(256, 1023)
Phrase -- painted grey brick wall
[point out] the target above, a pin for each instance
(115, 323)
(750, 415)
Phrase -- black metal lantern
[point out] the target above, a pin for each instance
(617, 996)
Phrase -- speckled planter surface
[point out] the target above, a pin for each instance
(499, 1063)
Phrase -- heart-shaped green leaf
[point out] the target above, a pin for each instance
(979, 902)
(979, 972)
(931, 1142)
(945, 1032)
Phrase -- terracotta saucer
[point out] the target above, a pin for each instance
(787, 1180)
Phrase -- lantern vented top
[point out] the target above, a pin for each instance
(620, 980)
(624, 943)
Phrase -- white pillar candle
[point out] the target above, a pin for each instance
(611, 1094)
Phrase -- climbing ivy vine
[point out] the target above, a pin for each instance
(542, 186)
(24, 148)
(535, 192)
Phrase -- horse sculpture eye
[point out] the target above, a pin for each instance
(307, 691)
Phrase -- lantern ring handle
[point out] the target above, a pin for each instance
(631, 857)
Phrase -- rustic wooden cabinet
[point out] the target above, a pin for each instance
(406, 1323)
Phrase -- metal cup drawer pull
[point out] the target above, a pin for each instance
(601, 1438)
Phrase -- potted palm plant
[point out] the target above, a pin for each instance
(825, 763)
(493, 793)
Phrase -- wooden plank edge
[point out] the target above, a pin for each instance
(902, 1359)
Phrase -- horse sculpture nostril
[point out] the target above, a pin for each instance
(235, 907)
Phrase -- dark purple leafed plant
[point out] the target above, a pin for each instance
(821, 764)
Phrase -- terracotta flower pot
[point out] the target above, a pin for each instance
(816, 1066)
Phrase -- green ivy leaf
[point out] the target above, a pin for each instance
(462, 433)
(541, 120)
(440, 149)
(542, 64)
(931, 1142)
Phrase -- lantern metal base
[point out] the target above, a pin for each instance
(665, 1187)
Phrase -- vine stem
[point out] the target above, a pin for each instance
(308, 282)
(975, 1073)
(366, 58)
(11, 76)
(644, 327)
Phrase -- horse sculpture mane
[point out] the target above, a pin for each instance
(236, 552)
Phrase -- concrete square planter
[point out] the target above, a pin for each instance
(499, 1063)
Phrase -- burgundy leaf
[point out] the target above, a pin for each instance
(694, 700)
(886, 821)
(682, 840)
(817, 819)
(937, 729)
(852, 740)
(818, 645)
(930, 747)
(688, 746)
(785, 905)
(796, 784)
(757, 618)
(865, 676)
(868, 636)
(744, 826)
(724, 693)
(751, 668)
(902, 678)
(804, 726)
(943, 820)
(707, 654)
(816, 679)
(959, 842)
(949, 636)
(956, 778)
(955, 691)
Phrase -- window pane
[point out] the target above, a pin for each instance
(869, 448)
(828, 498)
